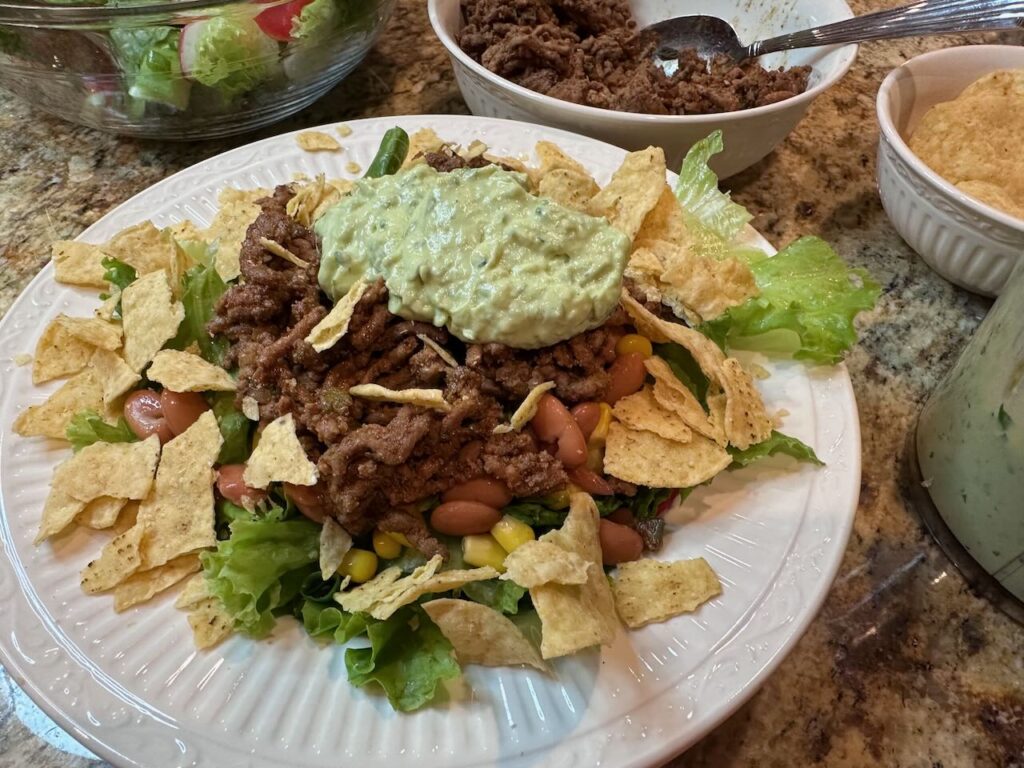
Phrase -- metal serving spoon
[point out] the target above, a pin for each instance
(710, 36)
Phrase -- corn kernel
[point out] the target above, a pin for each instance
(557, 499)
(600, 433)
(399, 537)
(595, 457)
(359, 564)
(386, 546)
(481, 550)
(511, 533)
(634, 343)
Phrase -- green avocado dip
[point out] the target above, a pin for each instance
(474, 251)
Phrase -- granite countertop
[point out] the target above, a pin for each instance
(904, 666)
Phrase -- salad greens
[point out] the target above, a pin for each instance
(775, 444)
(201, 287)
(229, 53)
(88, 427)
(234, 428)
(148, 57)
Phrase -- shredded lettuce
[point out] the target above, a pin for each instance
(201, 287)
(808, 300)
(150, 62)
(232, 55)
(700, 197)
(234, 428)
(88, 427)
(776, 443)
(408, 657)
(317, 20)
(502, 596)
(116, 272)
(261, 568)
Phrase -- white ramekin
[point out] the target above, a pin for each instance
(967, 242)
(749, 134)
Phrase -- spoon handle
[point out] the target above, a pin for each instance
(925, 17)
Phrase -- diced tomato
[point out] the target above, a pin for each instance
(276, 22)
(663, 507)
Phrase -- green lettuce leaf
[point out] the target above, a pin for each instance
(232, 55)
(260, 569)
(117, 272)
(88, 427)
(408, 657)
(150, 62)
(776, 443)
(234, 428)
(685, 368)
(329, 622)
(201, 287)
(317, 21)
(502, 596)
(700, 197)
(809, 298)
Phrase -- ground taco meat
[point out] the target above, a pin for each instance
(589, 52)
(378, 460)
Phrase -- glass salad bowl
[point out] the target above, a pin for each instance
(186, 69)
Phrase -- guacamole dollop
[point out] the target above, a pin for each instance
(474, 251)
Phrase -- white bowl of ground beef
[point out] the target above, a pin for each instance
(750, 133)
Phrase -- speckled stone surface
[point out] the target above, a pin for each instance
(904, 666)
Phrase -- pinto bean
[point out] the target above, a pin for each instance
(628, 374)
(463, 518)
(181, 409)
(485, 490)
(619, 543)
(231, 485)
(623, 516)
(554, 424)
(145, 415)
(590, 481)
(587, 416)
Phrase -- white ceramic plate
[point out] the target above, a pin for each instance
(132, 689)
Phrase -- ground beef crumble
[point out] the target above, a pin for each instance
(378, 460)
(589, 52)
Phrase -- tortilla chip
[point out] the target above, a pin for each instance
(151, 318)
(552, 158)
(526, 410)
(443, 353)
(334, 326)
(101, 512)
(119, 559)
(279, 457)
(643, 411)
(60, 507)
(334, 544)
(178, 513)
(353, 167)
(481, 635)
(746, 420)
(184, 372)
(633, 191)
(424, 398)
(649, 590)
(250, 408)
(644, 458)
(307, 198)
(569, 188)
(76, 263)
(572, 616)
(343, 130)
(143, 247)
(317, 141)
(82, 392)
(186, 230)
(279, 250)
(117, 377)
(58, 353)
(386, 592)
(665, 220)
(122, 470)
(140, 587)
(675, 397)
(420, 143)
(707, 354)
(210, 622)
(106, 310)
(537, 563)
(194, 592)
(238, 209)
(21, 359)
(716, 415)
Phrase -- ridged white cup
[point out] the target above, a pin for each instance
(750, 134)
(967, 242)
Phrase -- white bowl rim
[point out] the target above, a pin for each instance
(891, 135)
(849, 51)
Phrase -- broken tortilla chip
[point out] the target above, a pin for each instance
(574, 617)
(424, 398)
(481, 635)
(178, 514)
(746, 420)
(632, 192)
(250, 408)
(317, 141)
(140, 587)
(82, 392)
(675, 397)
(334, 326)
(536, 563)
(185, 372)
(647, 591)
(665, 220)
(643, 411)
(334, 544)
(60, 507)
(443, 353)
(194, 592)
(642, 457)
(238, 209)
(568, 188)
(553, 158)
(122, 470)
(67, 344)
(279, 250)
(76, 263)
(143, 247)
(119, 559)
(526, 410)
(117, 377)
(279, 457)
(420, 143)
(210, 622)
(150, 317)
(101, 512)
